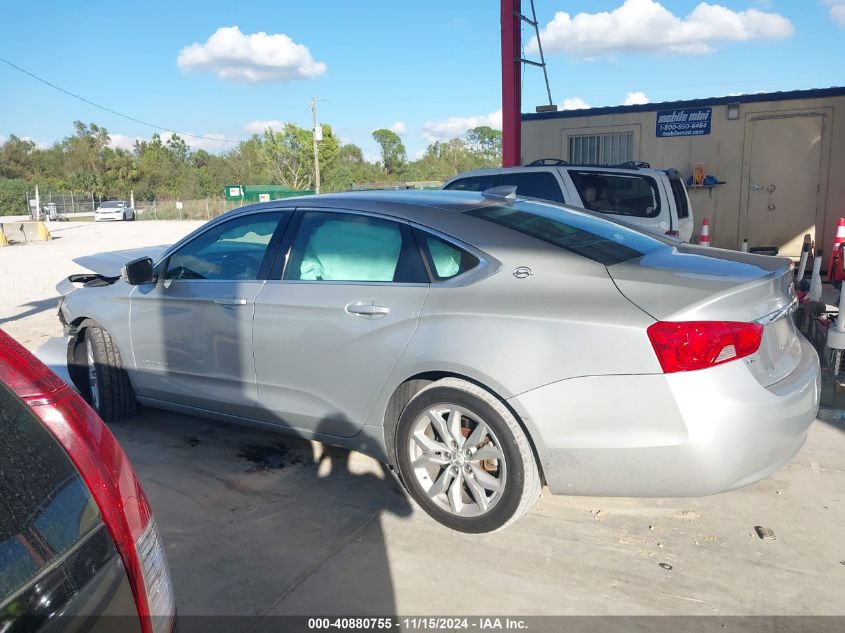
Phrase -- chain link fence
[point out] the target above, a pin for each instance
(71, 205)
(203, 209)
(64, 205)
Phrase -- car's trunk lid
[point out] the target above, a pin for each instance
(692, 283)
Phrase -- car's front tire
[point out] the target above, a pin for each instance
(107, 388)
(464, 457)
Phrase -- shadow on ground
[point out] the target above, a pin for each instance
(249, 516)
(34, 307)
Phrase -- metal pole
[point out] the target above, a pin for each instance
(542, 57)
(511, 88)
(316, 154)
(802, 264)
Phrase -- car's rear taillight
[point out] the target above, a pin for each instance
(673, 234)
(690, 345)
(108, 474)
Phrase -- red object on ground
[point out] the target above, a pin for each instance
(107, 473)
(704, 236)
(511, 83)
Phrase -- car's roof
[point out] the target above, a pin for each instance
(573, 166)
(401, 203)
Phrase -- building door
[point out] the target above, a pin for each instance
(783, 184)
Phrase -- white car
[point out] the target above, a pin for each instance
(114, 210)
(654, 199)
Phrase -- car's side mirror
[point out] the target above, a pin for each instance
(138, 271)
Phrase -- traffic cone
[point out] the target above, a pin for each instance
(839, 239)
(744, 247)
(704, 236)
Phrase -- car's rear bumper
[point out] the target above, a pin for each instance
(674, 435)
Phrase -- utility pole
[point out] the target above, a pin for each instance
(511, 83)
(316, 154)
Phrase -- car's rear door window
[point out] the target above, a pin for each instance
(630, 194)
(473, 183)
(530, 184)
(230, 251)
(351, 247)
(534, 184)
(602, 241)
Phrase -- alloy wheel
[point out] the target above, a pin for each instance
(457, 460)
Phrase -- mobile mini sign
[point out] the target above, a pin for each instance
(684, 122)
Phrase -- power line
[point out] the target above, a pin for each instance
(115, 112)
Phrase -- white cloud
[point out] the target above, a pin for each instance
(457, 126)
(837, 10)
(575, 103)
(211, 142)
(399, 127)
(636, 98)
(122, 141)
(251, 58)
(259, 127)
(646, 26)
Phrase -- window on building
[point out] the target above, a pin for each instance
(612, 148)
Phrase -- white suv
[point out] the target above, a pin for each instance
(655, 199)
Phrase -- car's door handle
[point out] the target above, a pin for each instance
(230, 301)
(370, 310)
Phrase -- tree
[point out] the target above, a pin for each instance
(393, 154)
(486, 142)
(290, 156)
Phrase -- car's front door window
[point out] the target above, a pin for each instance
(354, 248)
(232, 251)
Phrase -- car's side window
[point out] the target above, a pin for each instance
(619, 193)
(231, 251)
(445, 259)
(352, 247)
(534, 184)
(474, 183)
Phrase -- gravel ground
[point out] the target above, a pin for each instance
(29, 272)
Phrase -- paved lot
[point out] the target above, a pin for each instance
(257, 523)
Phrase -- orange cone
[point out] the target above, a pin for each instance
(704, 236)
(839, 239)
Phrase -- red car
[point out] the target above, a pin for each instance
(77, 536)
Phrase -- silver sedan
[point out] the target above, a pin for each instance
(480, 345)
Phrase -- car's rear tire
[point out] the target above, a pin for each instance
(464, 457)
(108, 389)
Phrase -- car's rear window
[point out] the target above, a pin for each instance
(619, 193)
(45, 507)
(680, 194)
(604, 242)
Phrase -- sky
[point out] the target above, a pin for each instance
(428, 70)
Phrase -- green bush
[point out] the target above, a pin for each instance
(13, 196)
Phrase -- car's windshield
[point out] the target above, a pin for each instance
(594, 238)
(112, 204)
